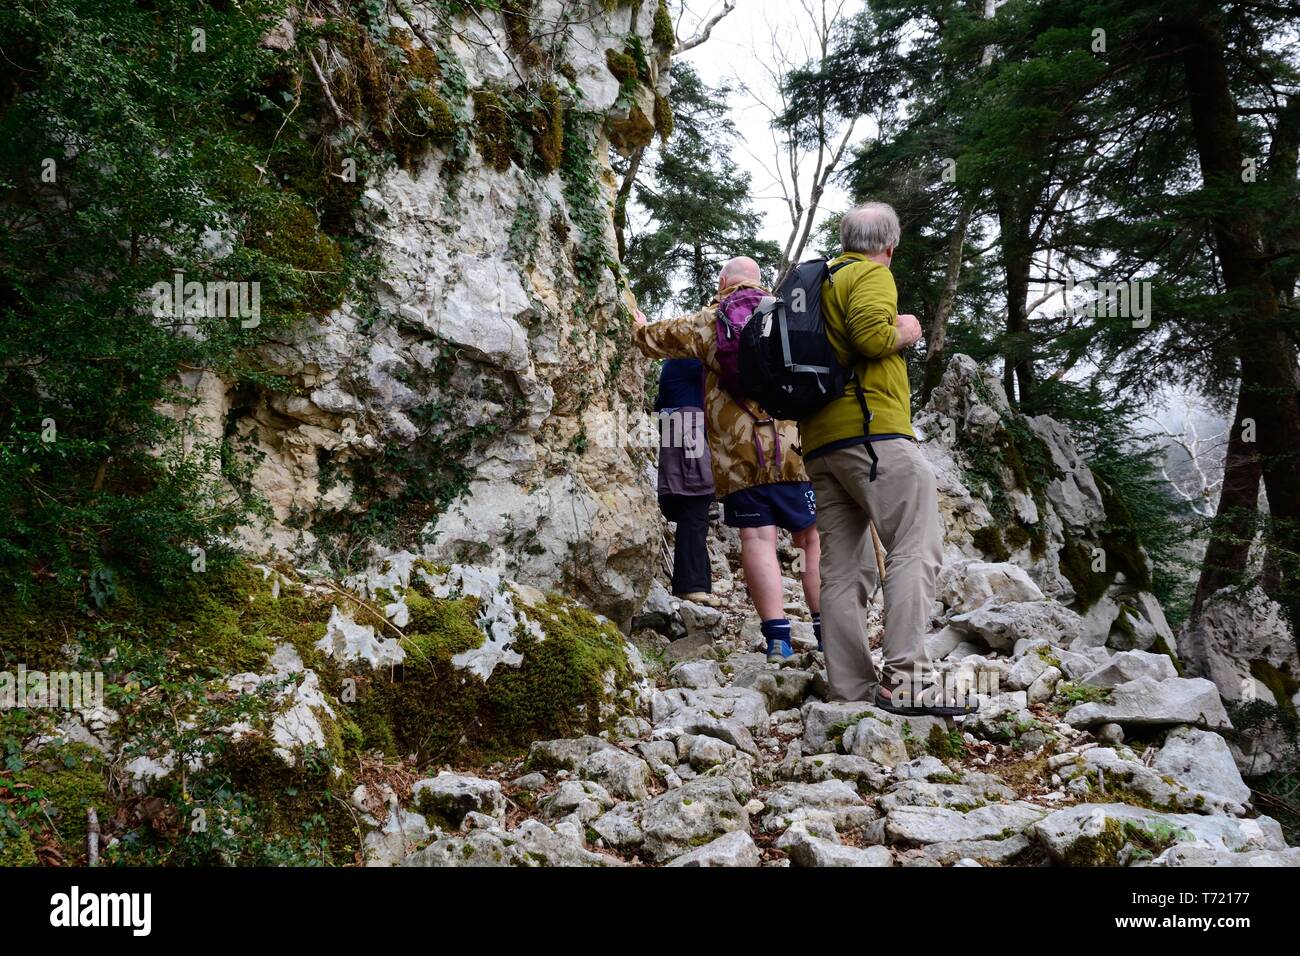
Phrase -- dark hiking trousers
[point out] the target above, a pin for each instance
(691, 552)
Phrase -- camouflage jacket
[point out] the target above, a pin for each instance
(734, 436)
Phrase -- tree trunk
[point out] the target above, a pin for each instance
(1017, 259)
(1236, 518)
(1270, 380)
(622, 199)
(935, 359)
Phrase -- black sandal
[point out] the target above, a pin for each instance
(923, 710)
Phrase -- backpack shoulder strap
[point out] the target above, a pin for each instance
(831, 270)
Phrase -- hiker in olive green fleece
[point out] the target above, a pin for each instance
(865, 465)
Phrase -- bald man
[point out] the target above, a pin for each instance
(757, 471)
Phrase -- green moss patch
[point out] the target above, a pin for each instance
(1105, 847)
(1281, 683)
(663, 34)
(435, 710)
(989, 540)
(492, 130)
(288, 232)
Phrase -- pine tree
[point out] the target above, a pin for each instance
(696, 203)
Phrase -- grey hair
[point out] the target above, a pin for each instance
(870, 228)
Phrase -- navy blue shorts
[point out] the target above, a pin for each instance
(787, 504)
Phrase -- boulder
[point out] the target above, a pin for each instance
(733, 849)
(1244, 644)
(696, 675)
(749, 707)
(824, 724)
(538, 845)
(837, 798)
(478, 848)
(1110, 834)
(807, 850)
(978, 852)
(1072, 490)
(584, 798)
(565, 753)
(1202, 761)
(1149, 702)
(1001, 625)
(1130, 665)
(695, 720)
(967, 585)
(389, 844)
(1101, 771)
(659, 613)
(700, 621)
(996, 821)
(953, 796)
(876, 741)
(449, 796)
(620, 827)
(695, 813)
(1187, 855)
(784, 689)
(623, 774)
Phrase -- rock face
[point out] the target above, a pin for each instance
(1244, 644)
(494, 357)
(1025, 527)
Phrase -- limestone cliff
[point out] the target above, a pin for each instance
(494, 330)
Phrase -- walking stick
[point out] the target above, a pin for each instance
(880, 557)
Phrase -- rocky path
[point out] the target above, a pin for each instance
(1082, 756)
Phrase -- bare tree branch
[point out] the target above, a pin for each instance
(705, 30)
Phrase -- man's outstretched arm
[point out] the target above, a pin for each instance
(675, 338)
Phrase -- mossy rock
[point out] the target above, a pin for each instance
(548, 128)
(300, 813)
(663, 117)
(493, 133)
(223, 621)
(663, 34)
(1076, 560)
(989, 540)
(433, 709)
(517, 15)
(623, 66)
(424, 120)
(1161, 646)
(1107, 847)
(1281, 683)
(288, 232)
(945, 745)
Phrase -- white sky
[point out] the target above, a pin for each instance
(740, 45)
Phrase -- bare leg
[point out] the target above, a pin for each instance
(809, 543)
(762, 571)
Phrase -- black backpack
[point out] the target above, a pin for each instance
(787, 363)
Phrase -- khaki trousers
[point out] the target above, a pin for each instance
(904, 504)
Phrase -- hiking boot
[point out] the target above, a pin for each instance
(778, 650)
(701, 597)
